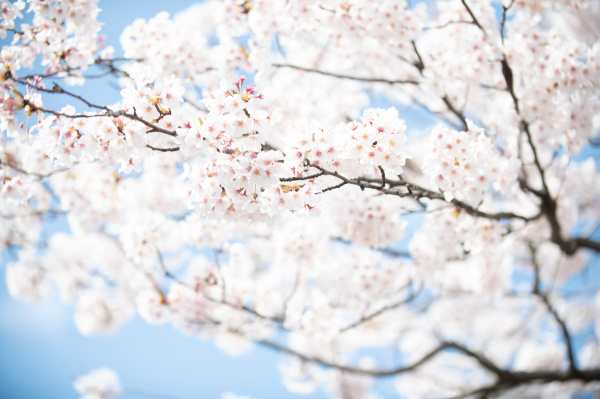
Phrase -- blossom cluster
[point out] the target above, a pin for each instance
(166, 48)
(558, 89)
(354, 149)
(467, 252)
(465, 164)
(122, 137)
(237, 175)
(64, 33)
(372, 221)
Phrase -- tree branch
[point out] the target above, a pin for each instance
(342, 76)
(456, 112)
(548, 204)
(355, 370)
(506, 379)
(379, 312)
(171, 149)
(414, 191)
(475, 21)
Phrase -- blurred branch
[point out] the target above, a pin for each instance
(107, 111)
(548, 205)
(349, 77)
(40, 176)
(381, 311)
(561, 323)
(475, 21)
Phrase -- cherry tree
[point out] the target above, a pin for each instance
(250, 188)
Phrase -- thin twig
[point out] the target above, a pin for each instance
(310, 177)
(170, 149)
(475, 21)
(504, 11)
(414, 191)
(342, 76)
(382, 176)
(381, 311)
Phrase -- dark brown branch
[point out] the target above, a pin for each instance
(420, 65)
(414, 191)
(392, 252)
(565, 331)
(548, 204)
(475, 21)
(383, 182)
(310, 177)
(561, 323)
(57, 89)
(107, 111)
(505, 379)
(449, 23)
(342, 184)
(171, 149)
(504, 11)
(456, 112)
(536, 158)
(509, 80)
(481, 359)
(15, 31)
(355, 370)
(572, 245)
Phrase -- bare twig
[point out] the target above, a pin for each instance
(381, 311)
(296, 178)
(349, 77)
(170, 149)
(414, 191)
(475, 21)
(561, 323)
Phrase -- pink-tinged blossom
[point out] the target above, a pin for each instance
(368, 220)
(10, 12)
(464, 165)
